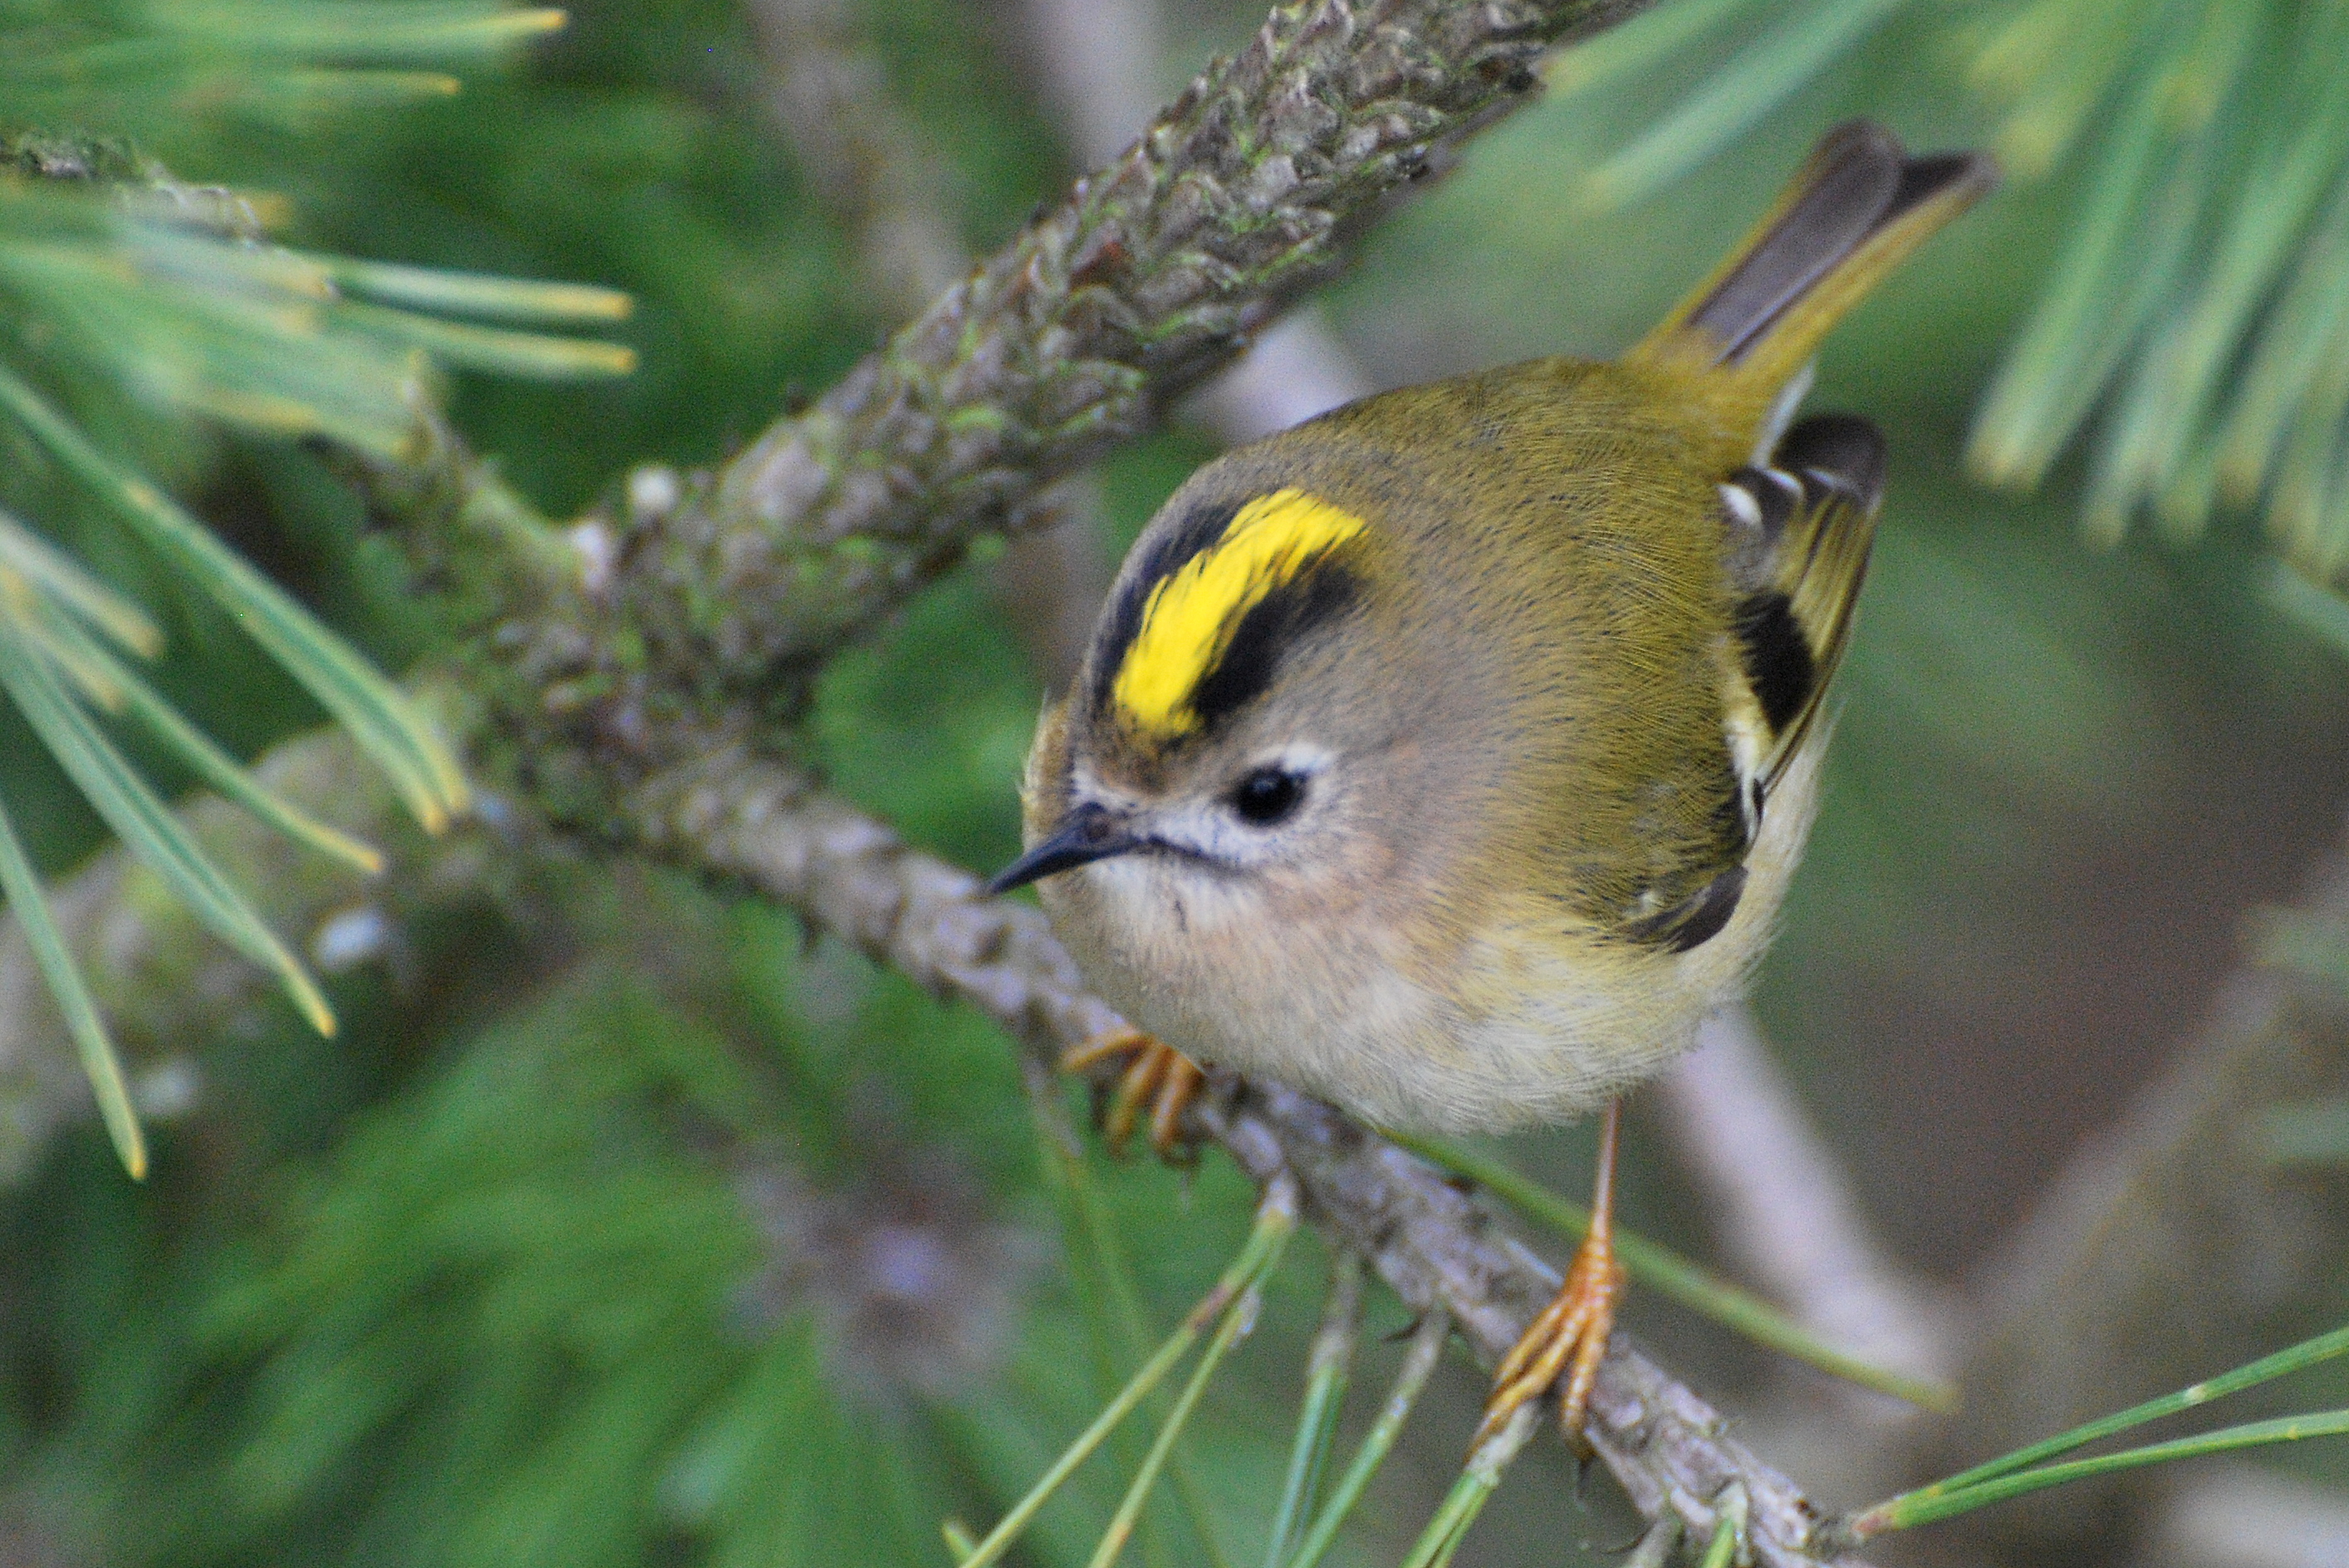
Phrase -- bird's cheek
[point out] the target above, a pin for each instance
(1332, 888)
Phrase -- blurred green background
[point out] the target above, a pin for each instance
(624, 1224)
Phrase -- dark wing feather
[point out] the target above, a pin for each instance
(1811, 516)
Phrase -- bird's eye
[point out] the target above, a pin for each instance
(1268, 796)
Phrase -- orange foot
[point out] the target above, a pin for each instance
(1570, 1336)
(1158, 1075)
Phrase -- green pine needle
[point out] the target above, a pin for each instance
(1237, 1320)
(100, 1062)
(1649, 39)
(379, 717)
(501, 351)
(144, 823)
(2323, 613)
(58, 578)
(2196, 294)
(1478, 1479)
(1275, 1221)
(1727, 1531)
(1419, 1361)
(1914, 1509)
(1761, 75)
(2027, 1470)
(158, 65)
(216, 767)
(471, 294)
(354, 29)
(1086, 1214)
(1329, 1368)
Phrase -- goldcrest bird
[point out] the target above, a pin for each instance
(1448, 755)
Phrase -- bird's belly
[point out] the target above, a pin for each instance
(1522, 1036)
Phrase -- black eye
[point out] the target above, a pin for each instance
(1268, 796)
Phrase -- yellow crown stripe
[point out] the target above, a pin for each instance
(1190, 617)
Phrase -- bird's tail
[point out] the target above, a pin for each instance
(1859, 207)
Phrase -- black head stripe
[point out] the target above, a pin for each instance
(1200, 528)
(1313, 598)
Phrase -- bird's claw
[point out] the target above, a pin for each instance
(1157, 1075)
(1562, 1348)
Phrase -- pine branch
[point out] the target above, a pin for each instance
(1151, 274)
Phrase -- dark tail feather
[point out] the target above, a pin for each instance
(1855, 209)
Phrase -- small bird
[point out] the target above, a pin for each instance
(1448, 755)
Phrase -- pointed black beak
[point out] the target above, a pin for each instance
(1089, 834)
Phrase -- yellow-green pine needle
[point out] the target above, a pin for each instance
(1115, 1330)
(1761, 75)
(74, 1003)
(345, 89)
(217, 767)
(1237, 1319)
(1670, 1274)
(2119, 260)
(376, 713)
(1645, 40)
(358, 29)
(2292, 1358)
(1329, 1367)
(2303, 334)
(538, 355)
(1478, 1479)
(1728, 1532)
(2319, 611)
(58, 640)
(2271, 217)
(2054, 64)
(1089, 1211)
(131, 809)
(64, 579)
(474, 293)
